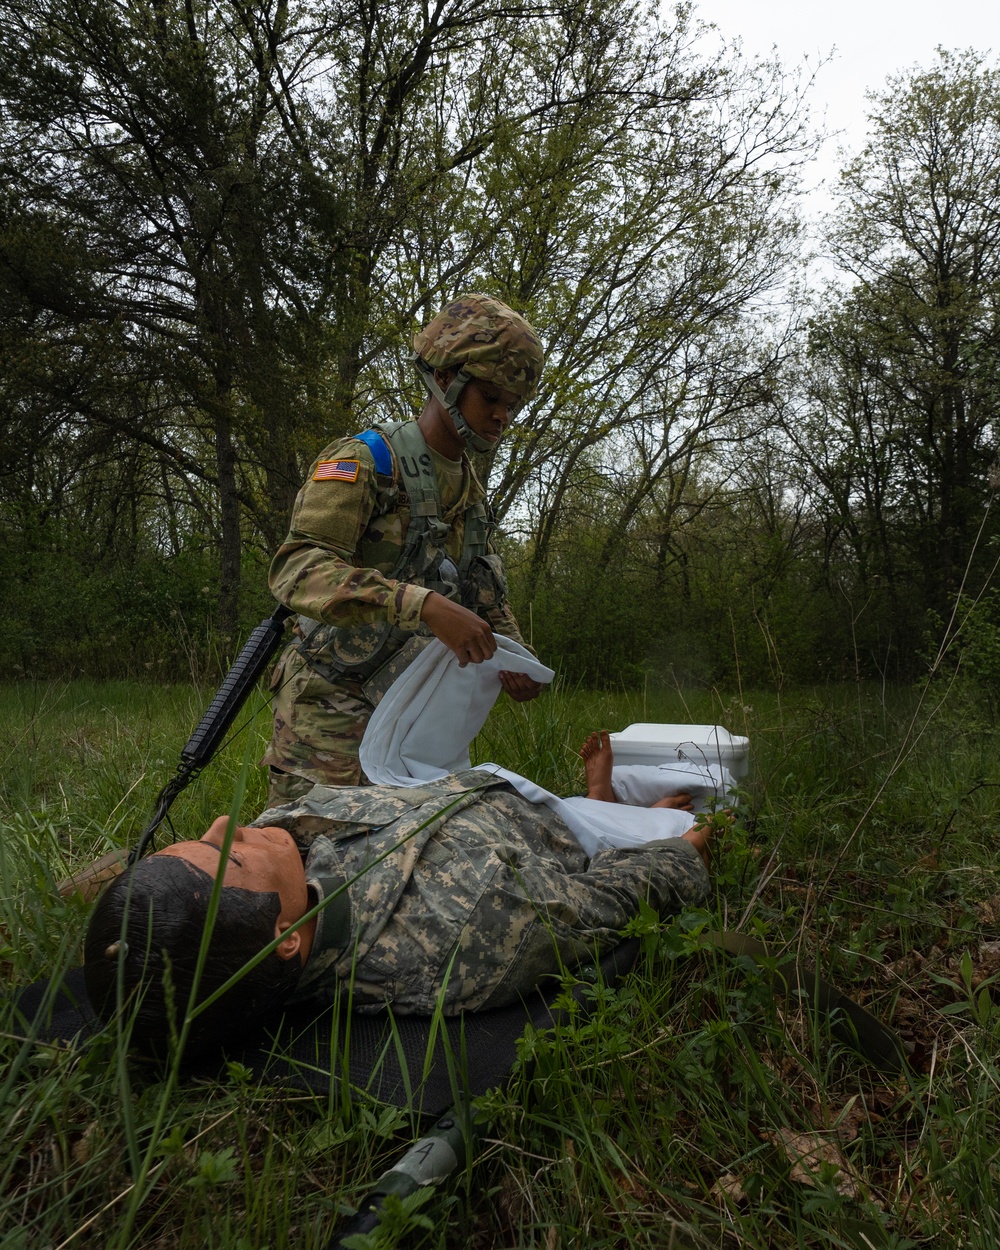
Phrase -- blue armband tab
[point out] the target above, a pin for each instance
(376, 444)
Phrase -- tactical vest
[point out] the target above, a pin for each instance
(406, 477)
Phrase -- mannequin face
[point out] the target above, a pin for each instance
(264, 860)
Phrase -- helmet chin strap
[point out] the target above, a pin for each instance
(449, 399)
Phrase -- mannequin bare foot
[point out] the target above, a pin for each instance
(598, 760)
(676, 802)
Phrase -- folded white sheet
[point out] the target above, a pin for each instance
(422, 729)
(644, 784)
(425, 722)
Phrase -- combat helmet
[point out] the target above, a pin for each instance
(481, 338)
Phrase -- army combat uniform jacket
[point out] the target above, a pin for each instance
(462, 893)
(347, 536)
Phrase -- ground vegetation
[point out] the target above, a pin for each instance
(688, 1106)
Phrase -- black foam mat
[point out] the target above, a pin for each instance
(407, 1061)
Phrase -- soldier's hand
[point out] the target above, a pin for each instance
(462, 631)
(520, 686)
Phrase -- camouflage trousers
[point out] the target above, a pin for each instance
(317, 730)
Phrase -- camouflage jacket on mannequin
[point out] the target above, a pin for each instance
(462, 893)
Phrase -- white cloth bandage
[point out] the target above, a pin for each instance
(425, 722)
(422, 729)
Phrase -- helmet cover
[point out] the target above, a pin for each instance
(487, 340)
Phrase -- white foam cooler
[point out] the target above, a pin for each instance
(650, 743)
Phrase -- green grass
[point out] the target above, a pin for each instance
(670, 1113)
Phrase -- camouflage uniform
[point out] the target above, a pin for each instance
(462, 892)
(347, 534)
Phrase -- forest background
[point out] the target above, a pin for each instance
(220, 223)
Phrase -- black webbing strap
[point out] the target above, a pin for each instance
(851, 1024)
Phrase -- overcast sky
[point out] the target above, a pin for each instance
(870, 40)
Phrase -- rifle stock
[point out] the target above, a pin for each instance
(89, 881)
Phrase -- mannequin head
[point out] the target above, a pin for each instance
(150, 921)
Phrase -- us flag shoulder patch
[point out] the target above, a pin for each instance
(337, 471)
